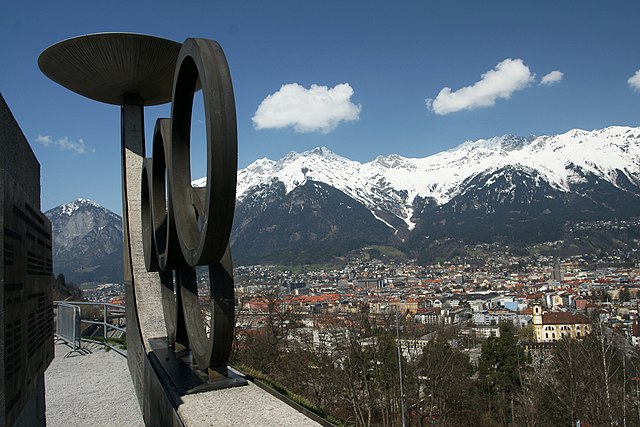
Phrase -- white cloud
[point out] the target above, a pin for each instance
(64, 144)
(634, 81)
(551, 78)
(317, 109)
(507, 77)
(45, 140)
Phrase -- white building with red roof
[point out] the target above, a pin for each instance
(552, 326)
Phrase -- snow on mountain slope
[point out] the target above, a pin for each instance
(391, 183)
(71, 207)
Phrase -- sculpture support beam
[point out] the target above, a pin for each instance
(142, 289)
(147, 285)
(132, 146)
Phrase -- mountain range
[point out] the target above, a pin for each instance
(317, 206)
(515, 190)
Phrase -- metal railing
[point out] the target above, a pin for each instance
(95, 322)
(68, 328)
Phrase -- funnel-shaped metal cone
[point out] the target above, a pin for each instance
(107, 67)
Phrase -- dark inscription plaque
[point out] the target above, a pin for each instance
(26, 337)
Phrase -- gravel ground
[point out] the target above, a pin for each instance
(90, 390)
(96, 390)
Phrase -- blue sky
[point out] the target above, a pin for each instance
(376, 63)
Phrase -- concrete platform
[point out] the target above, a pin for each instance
(96, 389)
(93, 389)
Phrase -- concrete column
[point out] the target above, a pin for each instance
(144, 308)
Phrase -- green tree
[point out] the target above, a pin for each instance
(501, 369)
(63, 291)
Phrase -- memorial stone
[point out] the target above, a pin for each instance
(26, 274)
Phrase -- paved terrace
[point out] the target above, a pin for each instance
(96, 389)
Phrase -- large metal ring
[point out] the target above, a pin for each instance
(164, 232)
(212, 349)
(203, 223)
(185, 226)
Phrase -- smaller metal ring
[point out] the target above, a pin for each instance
(166, 237)
(210, 350)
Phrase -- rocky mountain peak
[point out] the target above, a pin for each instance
(87, 242)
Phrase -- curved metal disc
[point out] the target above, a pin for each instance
(203, 221)
(169, 256)
(166, 238)
(107, 66)
(212, 349)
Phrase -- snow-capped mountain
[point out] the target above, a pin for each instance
(391, 183)
(486, 186)
(87, 242)
(315, 206)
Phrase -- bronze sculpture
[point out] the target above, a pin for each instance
(163, 243)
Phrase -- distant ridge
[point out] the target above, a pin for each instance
(560, 160)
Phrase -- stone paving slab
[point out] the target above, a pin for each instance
(240, 406)
(96, 389)
(93, 389)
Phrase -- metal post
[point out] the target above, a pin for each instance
(75, 311)
(404, 423)
(104, 328)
